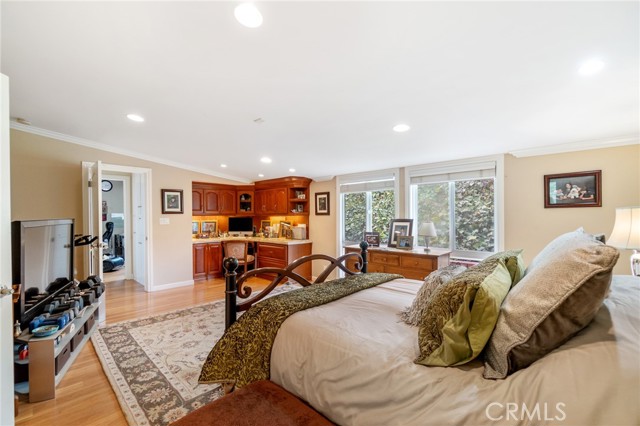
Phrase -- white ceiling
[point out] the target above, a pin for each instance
(330, 79)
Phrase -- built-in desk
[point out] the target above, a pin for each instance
(269, 252)
(414, 264)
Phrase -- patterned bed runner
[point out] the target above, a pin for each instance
(243, 354)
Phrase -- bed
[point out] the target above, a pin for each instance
(352, 361)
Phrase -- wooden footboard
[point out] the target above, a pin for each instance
(236, 286)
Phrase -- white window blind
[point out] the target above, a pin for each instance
(363, 182)
(485, 169)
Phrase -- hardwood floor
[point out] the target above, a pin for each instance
(85, 397)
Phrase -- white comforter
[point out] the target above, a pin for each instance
(352, 360)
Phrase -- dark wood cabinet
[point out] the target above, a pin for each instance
(280, 255)
(272, 201)
(211, 200)
(197, 203)
(245, 198)
(207, 260)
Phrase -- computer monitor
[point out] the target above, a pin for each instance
(241, 225)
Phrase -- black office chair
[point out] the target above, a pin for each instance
(112, 262)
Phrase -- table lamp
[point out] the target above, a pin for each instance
(427, 230)
(626, 234)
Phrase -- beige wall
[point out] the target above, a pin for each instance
(528, 225)
(46, 177)
(322, 229)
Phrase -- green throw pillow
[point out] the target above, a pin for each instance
(462, 313)
(514, 262)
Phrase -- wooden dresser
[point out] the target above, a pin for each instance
(415, 264)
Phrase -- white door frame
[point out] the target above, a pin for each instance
(147, 249)
(6, 305)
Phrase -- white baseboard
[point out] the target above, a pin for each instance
(171, 285)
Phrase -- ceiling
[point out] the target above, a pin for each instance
(328, 79)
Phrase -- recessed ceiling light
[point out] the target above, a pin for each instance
(266, 160)
(400, 128)
(260, 175)
(248, 15)
(292, 170)
(591, 67)
(135, 117)
(223, 165)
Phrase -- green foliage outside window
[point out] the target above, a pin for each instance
(355, 214)
(474, 213)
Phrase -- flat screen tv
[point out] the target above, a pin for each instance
(240, 225)
(42, 252)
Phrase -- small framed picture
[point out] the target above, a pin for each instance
(322, 203)
(578, 189)
(399, 228)
(172, 201)
(195, 228)
(373, 238)
(405, 242)
(209, 226)
(264, 224)
(285, 229)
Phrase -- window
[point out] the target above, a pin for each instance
(368, 202)
(461, 202)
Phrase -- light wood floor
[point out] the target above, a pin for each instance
(84, 397)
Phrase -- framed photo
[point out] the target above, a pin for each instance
(322, 203)
(264, 224)
(172, 201)
(399, 228)
(373, 238)
(578, 189)
(285, 231)
(405, 242)
(195, 228)
(209, 226)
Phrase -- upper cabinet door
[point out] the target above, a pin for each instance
(227, 202)
(280, 201)
(211, 202)
(197, 205)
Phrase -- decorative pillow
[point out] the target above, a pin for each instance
(514, 262)
(459, 318)
(559, 295)
(412, 314)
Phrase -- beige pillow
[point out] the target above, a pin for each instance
(412, 314)
(559, 295)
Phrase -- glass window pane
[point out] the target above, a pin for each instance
(433, 206)
(354, 216)
(474, 215)
(383, 211)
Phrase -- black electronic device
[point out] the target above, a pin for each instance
(242, 225)
(42, 261)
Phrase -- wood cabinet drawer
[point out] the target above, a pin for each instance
(273, 251)
(413, 274)
(376, 267)
(266, 262)
(384, 258)
(419, 262)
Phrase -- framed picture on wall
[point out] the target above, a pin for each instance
(172, 201)
(322, 203)
(399, 228)
(577, 189)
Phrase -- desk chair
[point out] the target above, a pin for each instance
(239, 250)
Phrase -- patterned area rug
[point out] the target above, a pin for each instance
(153, 363)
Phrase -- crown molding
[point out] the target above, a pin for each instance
(103, 147)
(576, 146)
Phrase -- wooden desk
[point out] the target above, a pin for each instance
(415, 264)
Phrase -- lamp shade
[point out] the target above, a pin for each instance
(427, 229)
(626, 230)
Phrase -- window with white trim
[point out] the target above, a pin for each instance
(368, 202)
(461, 201)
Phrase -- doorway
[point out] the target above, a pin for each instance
(116, 227)
(131, 221)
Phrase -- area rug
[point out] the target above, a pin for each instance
(153, 363)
